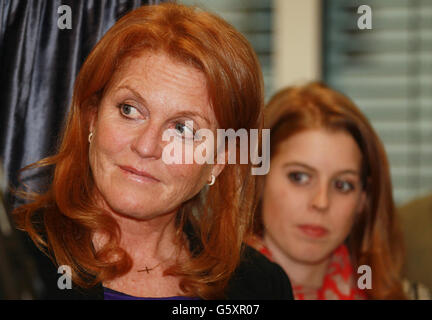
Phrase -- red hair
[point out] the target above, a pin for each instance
(375, 238)
(62, 220)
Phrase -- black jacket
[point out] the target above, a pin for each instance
(256, 278)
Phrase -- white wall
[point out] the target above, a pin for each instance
(297, 42)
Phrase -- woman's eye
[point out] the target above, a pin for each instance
(184, 130)
(299, 177)
(129, 111)
(344, 186)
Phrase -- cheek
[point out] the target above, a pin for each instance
(280, 204)
(186, 180)
(345, 214)
(111, 138)
(108, 147)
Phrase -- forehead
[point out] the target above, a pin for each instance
(322, 149)
(149, 64)
(162, 81)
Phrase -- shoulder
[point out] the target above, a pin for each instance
(53, 284)
(415, 290)
(257, 278)
(416, 213)
(423, 204)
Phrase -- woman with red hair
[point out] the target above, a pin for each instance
(125, 221)
(327, 214)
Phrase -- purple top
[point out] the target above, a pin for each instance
(110, 294)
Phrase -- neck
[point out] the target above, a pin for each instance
(308, 275)
(146, 239)
(147, 242)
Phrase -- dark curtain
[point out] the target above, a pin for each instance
(38, 65)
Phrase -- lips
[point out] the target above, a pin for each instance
(313, 231)
(138, 175)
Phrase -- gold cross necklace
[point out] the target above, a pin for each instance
(146, 269)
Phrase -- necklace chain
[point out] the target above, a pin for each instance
(146, 269)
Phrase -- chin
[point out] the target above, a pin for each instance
(311, 254)
(143, 208)
(136, 212)
(132, 205)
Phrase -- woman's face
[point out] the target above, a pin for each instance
(312, 194)
(148, 95)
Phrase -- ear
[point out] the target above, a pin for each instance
(218, 167)
(93, 119)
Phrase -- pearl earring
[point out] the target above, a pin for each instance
(90, 136)
(213, 179)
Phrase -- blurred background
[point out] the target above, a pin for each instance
(386, 70)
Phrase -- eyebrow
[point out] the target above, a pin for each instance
(136, 93)
(184, 113)
(193, 114)
(296, 163)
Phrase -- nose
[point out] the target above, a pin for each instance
(320, 199)
(147, 143)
